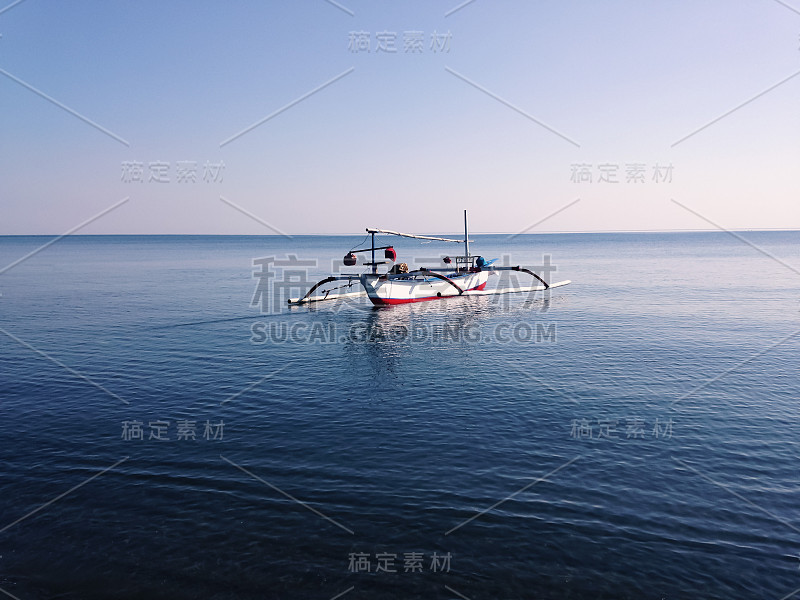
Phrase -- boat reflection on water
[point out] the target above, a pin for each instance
(382, 337)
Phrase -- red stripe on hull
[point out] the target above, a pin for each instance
(392, 301)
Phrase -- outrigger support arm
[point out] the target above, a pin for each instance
(524, 270)
(314, 287)
(438, 276)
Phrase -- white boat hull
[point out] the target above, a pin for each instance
(420, 288)
(474, 292)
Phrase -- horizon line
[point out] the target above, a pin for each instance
(593, 231)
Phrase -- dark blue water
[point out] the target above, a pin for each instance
(632, 435)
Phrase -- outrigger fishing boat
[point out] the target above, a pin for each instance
(461, 276)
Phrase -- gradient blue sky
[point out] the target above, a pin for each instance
(399, 142)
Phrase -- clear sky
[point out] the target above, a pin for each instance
(503, 108)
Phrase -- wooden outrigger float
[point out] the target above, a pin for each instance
(467, 277)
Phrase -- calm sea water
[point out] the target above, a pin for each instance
(632, 435)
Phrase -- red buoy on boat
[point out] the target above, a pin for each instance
(349, 259)
(390, 254)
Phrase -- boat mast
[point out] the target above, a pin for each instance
(374, 264)
(466, 236)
